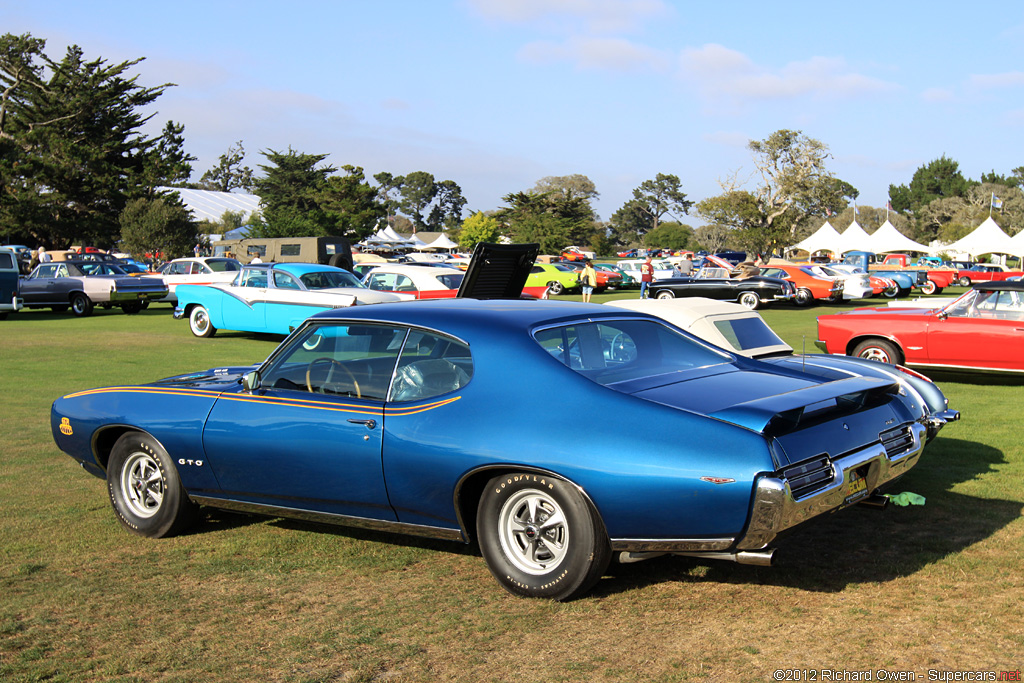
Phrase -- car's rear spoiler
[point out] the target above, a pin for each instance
(498, 271)
(785, 412)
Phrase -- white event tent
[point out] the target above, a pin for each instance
(825, 238)
(888, 239)
(854, 239)
(987, 238)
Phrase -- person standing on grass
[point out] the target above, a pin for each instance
(646, 276)
(589, 279)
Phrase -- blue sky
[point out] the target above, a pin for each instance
(496, 94)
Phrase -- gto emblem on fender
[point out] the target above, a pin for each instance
(65, 427)
(183, 461)
(718, 480)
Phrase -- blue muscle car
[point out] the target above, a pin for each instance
(415, 418)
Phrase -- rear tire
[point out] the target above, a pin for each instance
(145, 490)
(804, 297)
(878, 350)
(556, 287)
(929, 287)
(81, 305)
(132, 307)
(540, 537)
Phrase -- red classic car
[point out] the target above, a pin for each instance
(986, 272)
(982, 330)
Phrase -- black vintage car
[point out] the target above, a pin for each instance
(715, 281)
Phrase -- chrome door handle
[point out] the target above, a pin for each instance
(370, 424)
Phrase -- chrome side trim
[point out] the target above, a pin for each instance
(675, 545)
(332, 518)
(775, 509)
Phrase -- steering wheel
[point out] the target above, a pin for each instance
(623, 348)
(330, 373)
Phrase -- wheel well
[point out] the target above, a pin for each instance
(852, 344)
(471, 488)
(104, 442)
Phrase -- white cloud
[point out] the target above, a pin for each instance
(594, 16)
(938, 95)
(614, 54)
(726, 76)
(1010, 79)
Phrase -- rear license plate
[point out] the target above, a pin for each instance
(857, 488)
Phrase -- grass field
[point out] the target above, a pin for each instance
(934, 588)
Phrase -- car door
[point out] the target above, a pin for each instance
(988, 333)
(35, 289)
(310, 436)
(245, 306)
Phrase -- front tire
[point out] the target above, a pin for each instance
(199, 322)
(81, 305)
(878, 350)
(750, 300)
(145, 490)
(540, 537)
(665, 294)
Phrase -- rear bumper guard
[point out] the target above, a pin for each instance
(776, 510)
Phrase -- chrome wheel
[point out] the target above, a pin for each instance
(533, 532)
(750, 300)
(199, 322)
(142, 484)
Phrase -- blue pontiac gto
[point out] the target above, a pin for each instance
(415, 417)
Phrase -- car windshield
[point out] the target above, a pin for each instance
(451, 280)
(994, 304)
(223, 265)
(614, 351)
(99, 268)
(328, 279)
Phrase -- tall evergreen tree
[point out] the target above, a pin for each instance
(71, 148)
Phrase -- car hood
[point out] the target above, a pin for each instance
(214, 379)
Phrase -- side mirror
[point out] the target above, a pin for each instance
(251, 381)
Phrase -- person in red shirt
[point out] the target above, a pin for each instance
(646, 276)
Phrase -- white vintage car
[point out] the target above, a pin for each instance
(197, 271)
(423, 282)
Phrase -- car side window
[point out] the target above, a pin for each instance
(355, 360)
(285, 281)
(431, 365)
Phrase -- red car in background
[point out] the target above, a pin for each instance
(606, 279)
(985, 272)
(983, 330)
(809, 287)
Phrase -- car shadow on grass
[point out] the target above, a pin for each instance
(861, 544)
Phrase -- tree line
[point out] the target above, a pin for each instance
(76, 168)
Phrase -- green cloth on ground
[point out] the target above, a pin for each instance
(905, 498)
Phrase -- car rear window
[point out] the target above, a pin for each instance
(613, 351)
(747, 333)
